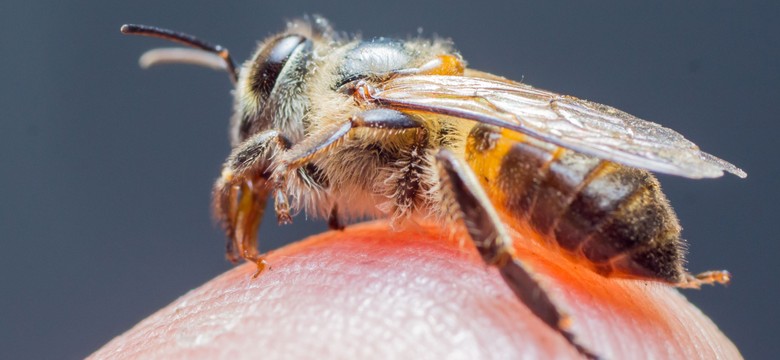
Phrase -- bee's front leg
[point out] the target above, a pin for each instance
(240, 194)
(469, 202)
(320, 141)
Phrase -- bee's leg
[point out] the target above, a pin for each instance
(691, 281)
(251, 207)
(319, 142)
(469, 202)
(334, 223)
(224, 207)
(240, 194)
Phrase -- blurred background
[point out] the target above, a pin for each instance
(107, 169)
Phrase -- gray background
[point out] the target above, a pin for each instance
(106, 169)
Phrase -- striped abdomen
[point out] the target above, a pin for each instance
(615, 217)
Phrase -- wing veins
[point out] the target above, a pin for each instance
(583, 126)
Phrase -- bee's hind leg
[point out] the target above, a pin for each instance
(691, 281)
(469, 202)
(240, 194)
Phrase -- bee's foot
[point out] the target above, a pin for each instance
(691, 281)
(283, 218)
(261, 266)
(232, 256)
(282, 208)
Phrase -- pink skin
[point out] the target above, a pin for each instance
(370, 292)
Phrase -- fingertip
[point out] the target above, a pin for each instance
(370, 292)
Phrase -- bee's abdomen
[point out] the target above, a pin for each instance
(613, 216)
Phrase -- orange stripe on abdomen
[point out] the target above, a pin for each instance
(613, 216)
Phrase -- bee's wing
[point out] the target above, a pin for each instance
(566, 121)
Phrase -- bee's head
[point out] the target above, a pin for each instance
(269, 87)
(270, 93)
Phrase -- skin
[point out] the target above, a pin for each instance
(370, 292)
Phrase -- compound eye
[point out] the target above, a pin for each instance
(270, 62)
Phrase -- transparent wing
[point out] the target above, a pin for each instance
(587, 127)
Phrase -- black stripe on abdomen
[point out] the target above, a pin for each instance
(613, 216)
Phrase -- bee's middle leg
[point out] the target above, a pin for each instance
(318, 143)
(469, 202)
(334, 222)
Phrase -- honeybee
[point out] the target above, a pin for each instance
(341, 128)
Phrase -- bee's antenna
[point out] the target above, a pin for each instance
(185, 39)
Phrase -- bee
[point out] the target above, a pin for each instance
(341, 128)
